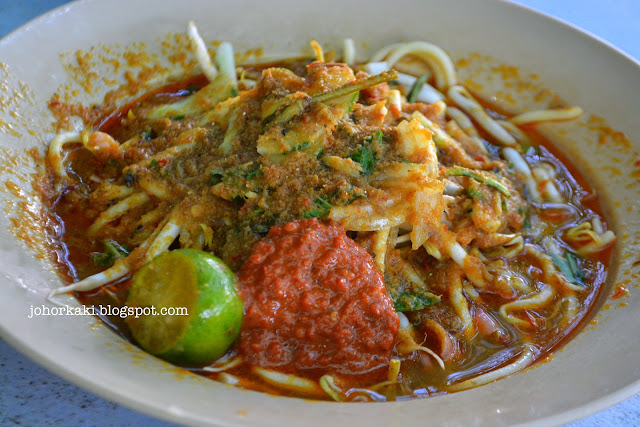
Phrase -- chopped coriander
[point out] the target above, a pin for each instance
(526, 223)
(354, 194)
(322, 209)
(153, 163)
(377, 137)
(367, 159)
(366, 155)
(234, 91)
(178, 117)
(253, 173)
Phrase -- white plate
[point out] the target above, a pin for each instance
(595, 370)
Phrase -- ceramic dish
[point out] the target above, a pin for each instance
(580, 379)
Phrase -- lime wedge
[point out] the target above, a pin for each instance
(194, 311)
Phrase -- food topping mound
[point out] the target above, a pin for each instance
(394, 234)
(314, 299)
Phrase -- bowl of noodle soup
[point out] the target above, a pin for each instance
(470, 76)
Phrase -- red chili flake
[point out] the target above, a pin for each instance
(620, 292)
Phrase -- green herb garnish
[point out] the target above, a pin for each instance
(415, 89)
(101, 259)
(354, 194)
(112, 251)
(322, 209)
(413, 301)
(568, 266)
(116, 249)
(366, 155)
(215, 178)
(253, 173)
(458, 171)
(526, 223)
(301, 147)
(472, 193)
(367, 159)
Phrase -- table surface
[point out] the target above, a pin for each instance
(30, 395)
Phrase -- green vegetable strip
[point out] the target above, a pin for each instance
(371, 81)
(416, 88)
(112, 251)
(569, 268)
(413, 301)
(102, 259)
(116, 249)
(458, 171)
(298, 106)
